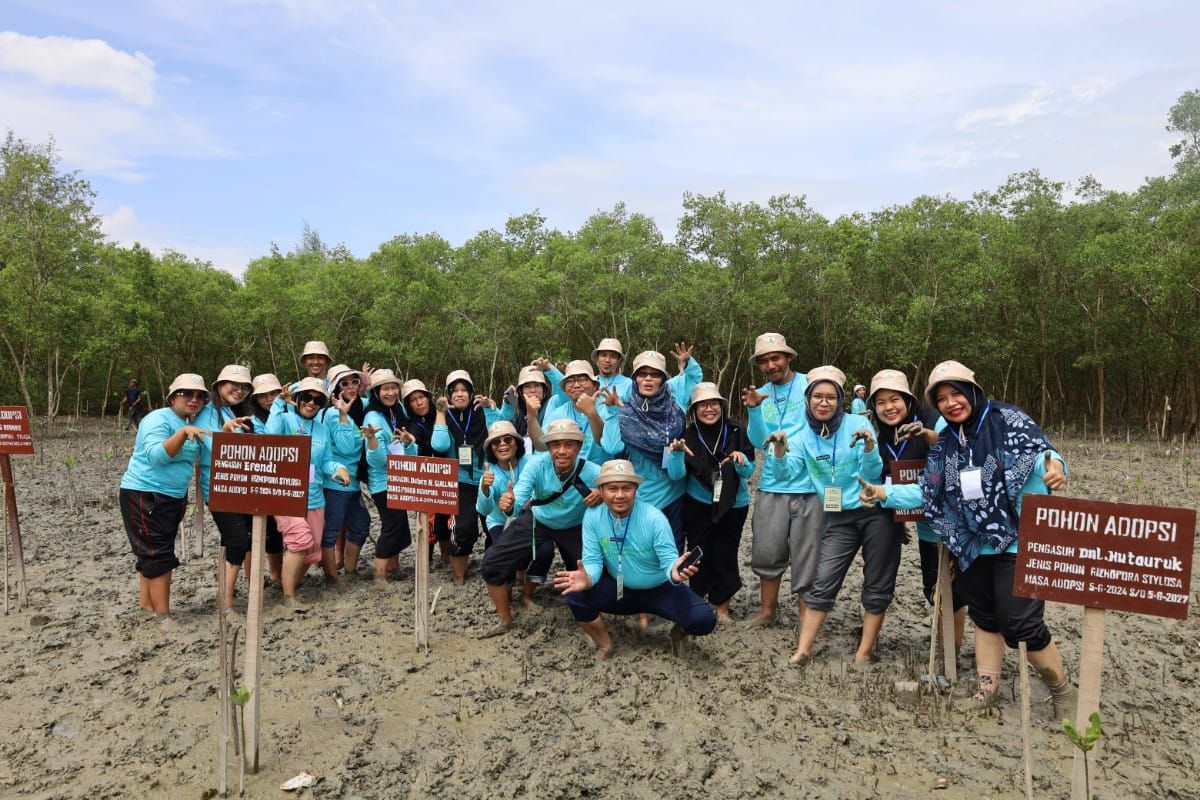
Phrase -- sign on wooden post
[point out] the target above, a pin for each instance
(902, 472)
(15, 439)
(259, 475)
(1104, 556)
(428, 486)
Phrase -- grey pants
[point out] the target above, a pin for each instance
(872, 531)
(787, 532)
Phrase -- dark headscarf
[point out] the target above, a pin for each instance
(710, 445)
(395, 415)
(830, 426)
(421, 427)
(467, 427)
(914, 449)
(648, 424)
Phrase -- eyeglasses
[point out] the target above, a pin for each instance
(576, 379)
(309, 397)
(191, 394)
(824, 399)
(344, 382)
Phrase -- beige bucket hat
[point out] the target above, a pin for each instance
(707, 390)
(827, 372)
(617, 471)
(651, 359)
(188, 380)
(311, 385)
(563, 430)
(949, 371)
(265, 384)
(340, 371)
(770, 343)
(382, 377)
(498, 429)
(316, 348)
(613, 345)
(413, 385)
(532, 375)
(234, 373)
(459, 375)
(576, 368)
(892, 380)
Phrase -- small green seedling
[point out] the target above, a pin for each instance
(240, 696)
(1085, 742)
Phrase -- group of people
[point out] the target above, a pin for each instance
(641, 485)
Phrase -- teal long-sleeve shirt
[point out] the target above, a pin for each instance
(783, 409)
(386, 444)
(831, 462)
(150, 468)
(321, 464)
(538, 479)
(640, 547)
(442, 444)
(211, 420)
(485, 503)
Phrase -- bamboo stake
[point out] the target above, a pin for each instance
(1091, 655)
(421, 584)
(198, 519)
(250, 673)
(5, 558)
(13, 526)
(946, 612)
(1026, 726)
(224, 679)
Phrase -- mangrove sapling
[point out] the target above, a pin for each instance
(240, 696)
(70, 462)
(1085, 742)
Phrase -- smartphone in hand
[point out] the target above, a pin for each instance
(693, 557)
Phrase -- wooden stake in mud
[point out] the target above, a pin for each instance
(421, 583)
(946, 612)
(1091, 656)
(13, 531)
(1026, 732)
(258, 554)
(198, 519)
(224, 679)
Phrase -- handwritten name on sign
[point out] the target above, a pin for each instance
(14, 430)
(902, 472)
(1115, 556)
(419, 483)
(256, 474)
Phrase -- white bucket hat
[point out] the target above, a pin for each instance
(339, 371)
(316, 348)
(829, 373)
(770, 343)
(707, 390)
(563, 430)
(617, 471)
(651, 359)
(188, 380)
(498, 429)
(949, 371)
(265, 384)
(577, 368)
(311, 385)
(234, 373)
(413, 385)
(532, 375)
(892, 380)
(613, 345)
(382, 377)
(459, 375)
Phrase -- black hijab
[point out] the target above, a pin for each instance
(467, 427)
(710, 445)
(914, 449)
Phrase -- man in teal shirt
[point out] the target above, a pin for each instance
(630, 565)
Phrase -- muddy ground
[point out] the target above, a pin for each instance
(99, 703)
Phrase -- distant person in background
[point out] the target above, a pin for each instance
(859, 404)
(609, 357)
(135, 402)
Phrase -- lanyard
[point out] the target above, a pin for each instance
(833, 452)
(962, 438)
(712, 451)
(619, 541)
(781, 410)
(461, 429)
(897, 453)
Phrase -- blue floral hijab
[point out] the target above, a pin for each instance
(1005, 443)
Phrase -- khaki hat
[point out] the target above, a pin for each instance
(617, 471)
(188, 380)
(770, 343)
(339, 371)
(315, 348)
(459, 375)
(311, 385)
(265, 384)
(498, 429)
(413, 385)
(563, 430)
(949, 371)
(613, 345)
(532, 375)
(707, 390)
(577, 368)
(826, 373)
(892, 380)
(651, 359)
(382, 377)
(234, 373)
(858, 386)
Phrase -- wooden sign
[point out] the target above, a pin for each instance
(902, 472)
(421, 483)
(14, 431)
(1114, 556)
(260, 474)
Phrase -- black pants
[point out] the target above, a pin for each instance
(516, 547)
(718, 578)
(152, 523)
(929, 568)
(987, 589)
(237, 531)
(394, 533)
(465, 531)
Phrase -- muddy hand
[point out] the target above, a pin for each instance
(870, 494)
(1053, 476)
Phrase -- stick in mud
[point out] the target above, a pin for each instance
(421, 584)
(945, 608)
(1026, 733)
(223, 680)
(198, 519)
(13, 523)
(5, 487)
(258, 547)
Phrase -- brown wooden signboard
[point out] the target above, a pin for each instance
(1114, 556)
(421, 483)
(15, 438)
(908, 471)
(260, 474)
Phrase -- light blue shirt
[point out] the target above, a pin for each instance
(485, 504)
(783, 409)
(321, 464)
(386, 444)
(539, 479)
(150, 468)
(832, 462)
(640, 547)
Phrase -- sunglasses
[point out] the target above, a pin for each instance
(504, 440)
(191, 394)
(344, 382)
(309, 397)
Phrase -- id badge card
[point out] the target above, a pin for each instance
(396, 447)
(718, 485)
(972, 483)
(312, 474)
(620, 584)
(666, 457)
(465, 457)
(833, 498)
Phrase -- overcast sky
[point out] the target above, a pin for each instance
(216, 127)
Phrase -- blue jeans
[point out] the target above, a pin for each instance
(675, 602)
(345, 508)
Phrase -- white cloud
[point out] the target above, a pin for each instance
(80, 63)
(123, 226)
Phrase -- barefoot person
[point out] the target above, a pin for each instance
(154, 487)
(549, 499)
(385, 433)
(630, 565)
(719, 459)
(344, 509)
(787, 522)
(836, 449)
